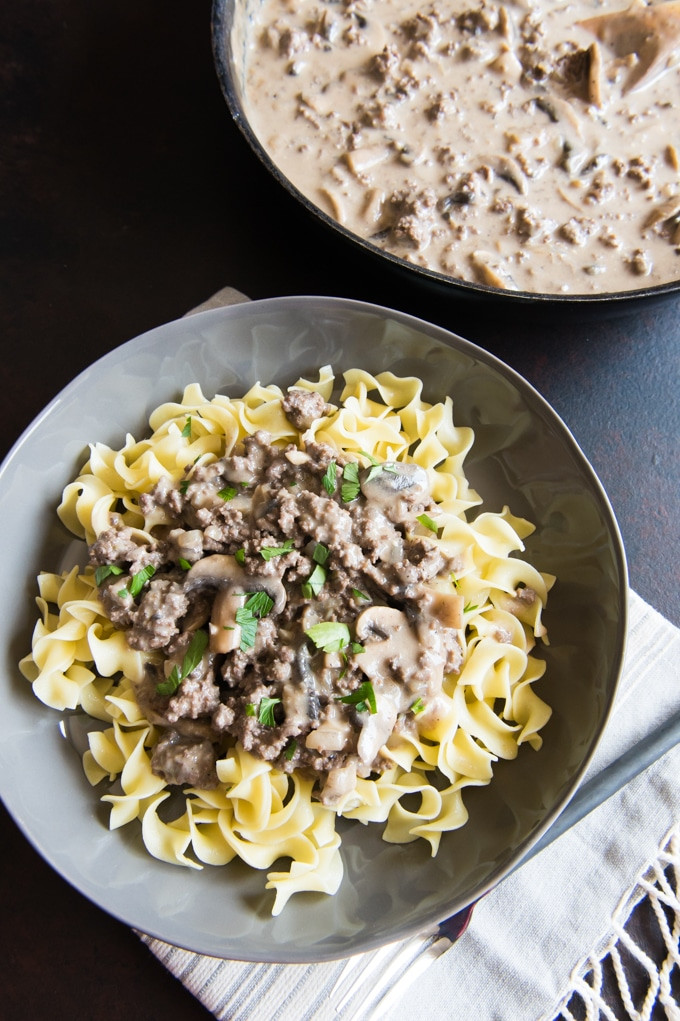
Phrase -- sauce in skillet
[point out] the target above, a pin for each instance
(528, 145)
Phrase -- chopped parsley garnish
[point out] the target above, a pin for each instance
(321, 554)
(103, 572)
(183, 486)
(312, 587)
(138, 581)
(247, 621)
(240, 556)
(329, 479)
(427, 521)
(259, 603)
(350, 475)
(469, 607)
(329, 635)
(186, 431)
(291, 749)
(378, 466)
(358, 594)
(316, 581)
(192, 657)
(184, 563)
(350, 482)
(256, 606)
(418, 706)
(228, 493)
(363, 699)
(333, 636)
(264, 712)
(267, 552)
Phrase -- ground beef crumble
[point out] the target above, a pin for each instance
(273, 522)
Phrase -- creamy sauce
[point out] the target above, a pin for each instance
(531, 146)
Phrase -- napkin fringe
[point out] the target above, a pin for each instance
(656, 892)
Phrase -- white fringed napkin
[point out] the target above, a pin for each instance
(533, 938)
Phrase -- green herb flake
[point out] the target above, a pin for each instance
(291, 749)
(247, 621)
(363, 699)
(184, 564)
(321, 554)
(329, 480)
(251, 709)
(103, 572)
(350, 484)
(240, 556)
(316, 581)
(259, 603)
(265, 713)
(361, 596)
(469, 607)
(186, 431)
(183, 486)
(256, 606)
(138, 581)
(226, 494)
(331, 636)
(192, 657)
(427, 521)
(378, 466)
(418, 706)
(268, 552)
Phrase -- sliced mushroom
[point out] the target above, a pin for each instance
(387, 638)
(395, 486)
(492, 270)
(218, 569)
(225, 633)
(666, 211)
(222, 570)
(303, 662)
(594, 75)
(508, 170)
(560, 110)
(377, 727)
(360, 160)
(650, 32)
(224, 573)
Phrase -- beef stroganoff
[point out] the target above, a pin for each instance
(528, 145)
(292, 612)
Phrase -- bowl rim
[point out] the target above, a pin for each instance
(535, 399)
(221, 23)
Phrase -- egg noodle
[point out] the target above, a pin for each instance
(80, 661)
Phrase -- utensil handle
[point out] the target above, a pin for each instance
(610, 781)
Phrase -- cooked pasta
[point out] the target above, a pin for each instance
(432, 684)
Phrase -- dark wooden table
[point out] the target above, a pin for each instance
(127, 196)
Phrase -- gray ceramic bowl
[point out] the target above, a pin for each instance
(230, 32)
(523, 456)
